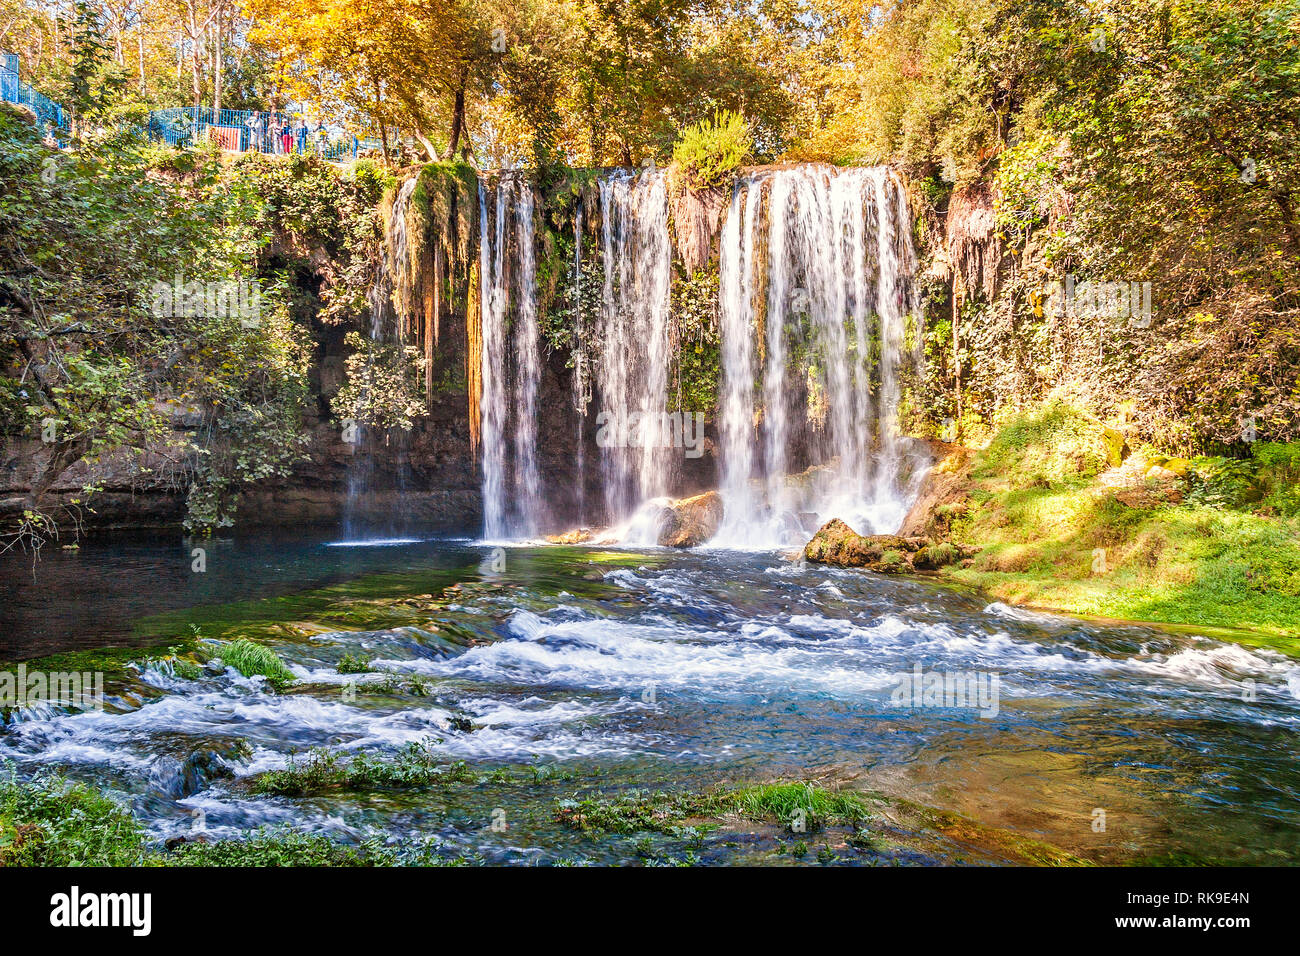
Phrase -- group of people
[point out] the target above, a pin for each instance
(268, 133)
(263, 133)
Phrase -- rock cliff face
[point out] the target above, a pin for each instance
(428, 479)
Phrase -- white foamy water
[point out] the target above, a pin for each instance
(823, 264)
(373, 543)
(631, 376)
(706, 664)
(511, 359)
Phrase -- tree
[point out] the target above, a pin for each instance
(103, 343)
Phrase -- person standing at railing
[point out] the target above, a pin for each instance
(286, 137)
(300, 130)
(322, 138)
(256, 130)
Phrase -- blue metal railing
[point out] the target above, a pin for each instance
(49, 114)
(273, 133)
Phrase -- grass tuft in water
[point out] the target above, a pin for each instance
(798, 806)
(254, 660)
(353, 664)
(414, 766)
(53, 821)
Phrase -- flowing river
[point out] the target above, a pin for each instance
(558, 672)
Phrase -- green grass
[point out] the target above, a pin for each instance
(276, 848)
(112, 662)
(52, 821)
(282, 847)
(254, 660)
(1049, 444)
(323, 771)
(786, 802)
(353, 664)
(675, 814)
(1054, 537)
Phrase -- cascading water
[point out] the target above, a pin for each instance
(815, 267)
(632, 375)
(888, 307)
(832, 263)
(580, 381)
(736, 317)
(511, 365)
(393, 283)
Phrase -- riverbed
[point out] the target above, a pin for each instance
(550, 674)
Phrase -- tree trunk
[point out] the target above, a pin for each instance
(216, 71)
(458, 113)
(197, 72)
(64, 455)
(428, 146)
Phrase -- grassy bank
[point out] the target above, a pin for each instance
(1212, 543)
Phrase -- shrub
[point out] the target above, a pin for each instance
(284, 847)
(415, 766)
(1221, 482)
(711, 150)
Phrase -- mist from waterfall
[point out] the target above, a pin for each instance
(631, 377)
(812, 259)
(511, 363)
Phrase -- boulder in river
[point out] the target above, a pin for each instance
(689, 522)
(837, 544)
(675, 523)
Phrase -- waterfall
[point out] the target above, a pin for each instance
(736, 319)
(388, 298)
(579, 366)
(814, 300)
(511, 358)
(632, 375)
(891, 338)
(831, 328)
